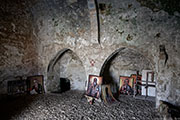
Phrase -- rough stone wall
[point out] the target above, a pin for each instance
(61, 24)
(18, 56)
(131, 24)
(54, 25)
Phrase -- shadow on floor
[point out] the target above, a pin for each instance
(13, 105)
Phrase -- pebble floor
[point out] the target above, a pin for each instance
(71, 106)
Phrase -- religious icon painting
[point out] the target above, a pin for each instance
(94, 86)
(35, 84)
(137, 81)
(139, 78)
(126, 85)
(17, 87)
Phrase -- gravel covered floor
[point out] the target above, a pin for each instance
(69, 105)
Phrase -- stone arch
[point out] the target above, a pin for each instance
(123, 61)
(66, 64)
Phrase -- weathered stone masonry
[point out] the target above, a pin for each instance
(33, 32)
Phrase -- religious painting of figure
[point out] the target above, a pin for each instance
(17, 87)
(94, 86)
(35, 84)
(126, 85)
(137, 82)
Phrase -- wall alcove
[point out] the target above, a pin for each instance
(123, 62)
(65, 66)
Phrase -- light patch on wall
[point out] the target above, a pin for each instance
(91, 4)
(71, 1)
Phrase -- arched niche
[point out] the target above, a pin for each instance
(123, 62)
(66, 64)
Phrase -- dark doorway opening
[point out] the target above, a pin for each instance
(64, 85)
